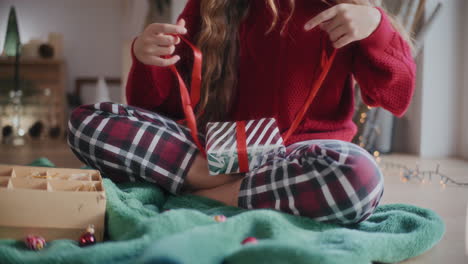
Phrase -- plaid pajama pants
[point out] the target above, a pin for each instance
(326, 180)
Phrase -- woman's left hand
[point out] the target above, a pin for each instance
(346, 23)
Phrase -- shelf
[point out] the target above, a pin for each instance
(30, 61)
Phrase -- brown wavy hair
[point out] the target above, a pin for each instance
(219, 42)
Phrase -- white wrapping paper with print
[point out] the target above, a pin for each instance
(262, 138)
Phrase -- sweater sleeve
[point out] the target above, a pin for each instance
(155, 88)
(385, 69)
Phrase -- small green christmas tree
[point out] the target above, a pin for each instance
(12, 38)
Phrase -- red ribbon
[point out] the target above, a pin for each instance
(326, 66)
(189, 101)
(195, 96)
(241, 139)
(196, 73)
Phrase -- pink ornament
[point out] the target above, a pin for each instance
(88, 237)
(35, 242)
(220, 218)
(249, 240)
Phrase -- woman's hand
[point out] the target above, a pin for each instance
(157, 42)
(346, 23)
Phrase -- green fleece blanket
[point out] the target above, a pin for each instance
(142, 229)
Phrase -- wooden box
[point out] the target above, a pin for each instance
(50, 202)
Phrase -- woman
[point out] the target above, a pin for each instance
(260, 60)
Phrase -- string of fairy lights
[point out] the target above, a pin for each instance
(407, 173)
(363, 115)
(423, 176)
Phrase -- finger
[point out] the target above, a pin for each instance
(165, 40)
(322, 17)
(162, 62)
(343, 41)
(181, 22)
(162, 51)
(338, 32)
(157, 28)
(331, 25)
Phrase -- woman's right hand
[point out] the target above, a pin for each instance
(157, 43)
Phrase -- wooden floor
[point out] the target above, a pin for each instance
(56, 151)
(450, 202)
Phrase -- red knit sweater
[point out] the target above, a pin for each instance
(276, 73)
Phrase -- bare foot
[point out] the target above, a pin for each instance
(226, 193)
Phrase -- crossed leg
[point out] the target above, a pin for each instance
(327, 180)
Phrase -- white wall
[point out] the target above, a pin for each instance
(442, 81)
(463, 132)
(133, 22)
(432, 127)
(134, 14)
(407, 132)
(177, 7)
(91, 29)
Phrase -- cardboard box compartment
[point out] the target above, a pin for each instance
(53, 203)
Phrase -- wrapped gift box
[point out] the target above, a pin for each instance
(50, 202)
(260, 138)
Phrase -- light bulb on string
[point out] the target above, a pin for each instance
(425, 177)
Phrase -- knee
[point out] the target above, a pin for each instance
(350, 185)
(79, 114)
(366, 186)
(81, 117)
(84, 113)
(76, 130)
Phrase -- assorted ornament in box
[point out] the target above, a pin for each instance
(237, 147)
(41, 204)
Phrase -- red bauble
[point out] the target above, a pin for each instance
(87, 238)
(35, 242)
(250, 240)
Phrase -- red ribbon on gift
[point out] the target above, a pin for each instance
(241, 139)
(190, 101)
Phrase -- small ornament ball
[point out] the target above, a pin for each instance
(249, 240)
(35, 242)
(88, 238)
(220, 218)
